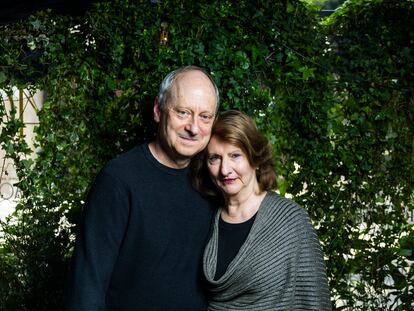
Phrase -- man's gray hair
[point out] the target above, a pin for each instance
(165, 86)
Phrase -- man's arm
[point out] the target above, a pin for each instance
(97, 244)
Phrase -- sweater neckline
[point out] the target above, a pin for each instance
(169, 170)
(236, 226)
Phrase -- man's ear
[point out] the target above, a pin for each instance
(157, 110)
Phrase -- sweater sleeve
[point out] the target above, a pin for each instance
(97, 244)
(311, 290)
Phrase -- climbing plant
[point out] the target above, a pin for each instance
(336, 108)
(371, 131)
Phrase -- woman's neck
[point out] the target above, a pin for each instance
(241, 209)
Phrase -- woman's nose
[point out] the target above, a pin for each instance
(225, 168)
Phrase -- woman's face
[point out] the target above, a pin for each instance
(230, 169)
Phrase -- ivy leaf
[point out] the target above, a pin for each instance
(36, 24)
(307, 72)
(290, 8)
(2, 77)
(27, 163)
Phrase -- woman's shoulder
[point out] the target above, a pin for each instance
(274, 199)
(285, 209)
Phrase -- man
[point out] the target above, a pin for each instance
(144, 228)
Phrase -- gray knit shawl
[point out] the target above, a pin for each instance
(279, 267)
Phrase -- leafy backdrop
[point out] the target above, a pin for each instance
(334, 96)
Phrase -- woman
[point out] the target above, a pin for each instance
(263, 253)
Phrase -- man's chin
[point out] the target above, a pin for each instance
(189, 151)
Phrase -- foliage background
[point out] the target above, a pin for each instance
(334, 96)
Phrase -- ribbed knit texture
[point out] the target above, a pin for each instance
(279, 267)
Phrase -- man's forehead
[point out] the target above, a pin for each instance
(191, 97)
(194, 78)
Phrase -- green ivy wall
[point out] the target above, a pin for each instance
(334, 96)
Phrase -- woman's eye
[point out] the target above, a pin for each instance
(235, 155)
(212, 159)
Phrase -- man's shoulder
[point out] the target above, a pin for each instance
(127, 161)
(131, 155)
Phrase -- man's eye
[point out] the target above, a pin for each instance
(182, 113)
(206, 117)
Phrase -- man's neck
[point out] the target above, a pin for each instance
(166, 157)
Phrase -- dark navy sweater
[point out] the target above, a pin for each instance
(141, 239)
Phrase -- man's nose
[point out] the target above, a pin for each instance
(193, 126)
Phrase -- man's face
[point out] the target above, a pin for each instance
(187, 119)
